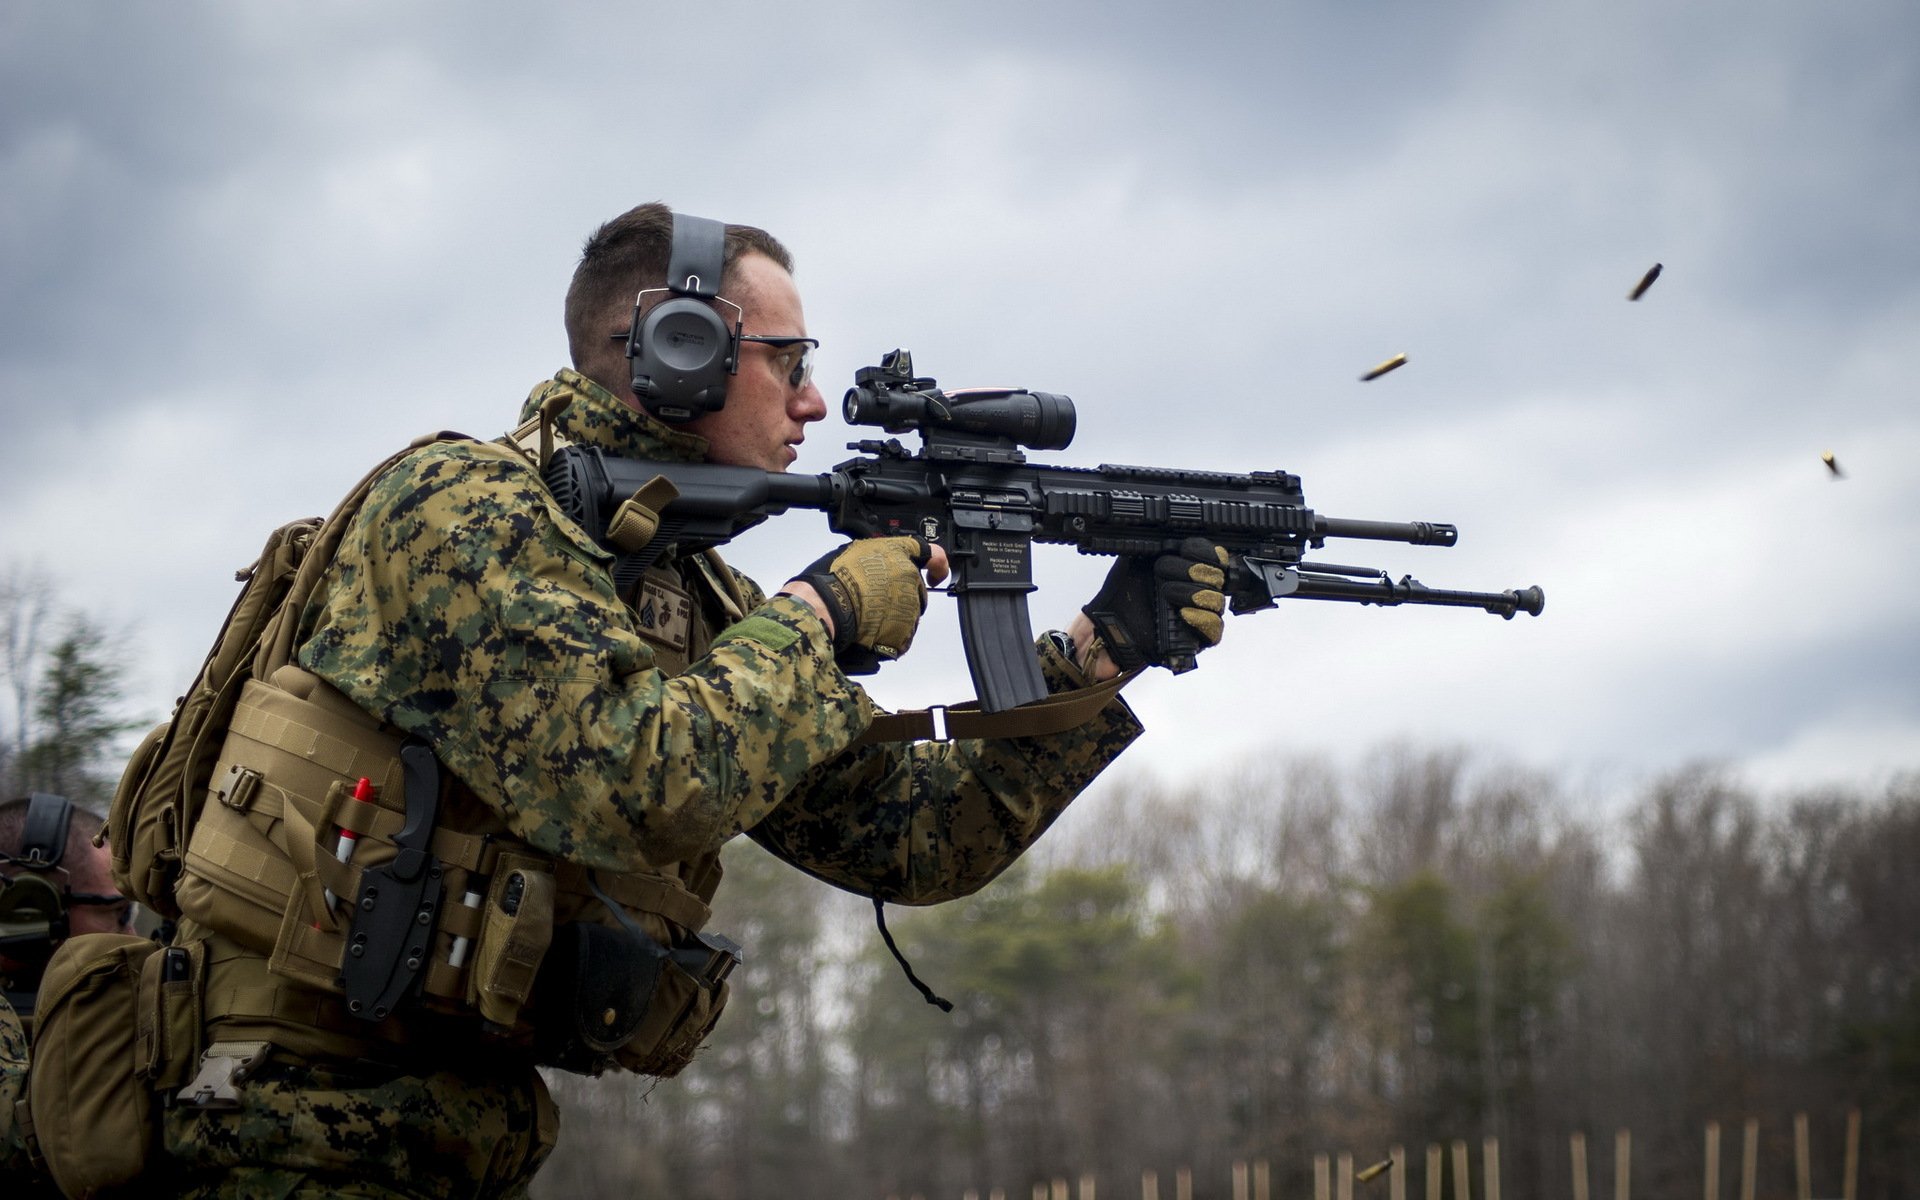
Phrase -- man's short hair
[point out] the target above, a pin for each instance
(627, 254)
(80, 830)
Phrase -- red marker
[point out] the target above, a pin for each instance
(363, 793)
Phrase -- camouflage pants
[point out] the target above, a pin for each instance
(345, 1130)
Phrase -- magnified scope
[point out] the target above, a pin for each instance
(1036, 420)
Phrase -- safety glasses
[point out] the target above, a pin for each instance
(792, 356)
(123, 917)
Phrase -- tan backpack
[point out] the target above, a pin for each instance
(166, 781)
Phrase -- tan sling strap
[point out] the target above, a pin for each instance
(1055, 714)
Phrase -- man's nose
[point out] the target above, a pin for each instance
(809, 404)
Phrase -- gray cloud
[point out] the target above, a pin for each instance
(250, 249)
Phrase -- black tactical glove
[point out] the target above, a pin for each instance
(1191, 581)
(875, 594)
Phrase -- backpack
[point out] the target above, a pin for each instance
(165, 783)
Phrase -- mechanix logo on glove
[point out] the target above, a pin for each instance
(1190, 581)
(874, 591)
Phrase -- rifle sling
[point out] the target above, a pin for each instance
(1056, 714)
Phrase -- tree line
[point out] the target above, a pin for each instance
(62, 722)
(1274, 965)
(1266, 964)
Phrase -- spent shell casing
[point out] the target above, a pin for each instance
(1833, 464)
(1373, 1172)
(1392, 364)
(1646, 281)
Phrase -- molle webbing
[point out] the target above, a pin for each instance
(282, 720)
(246, 1001)
(260, 865)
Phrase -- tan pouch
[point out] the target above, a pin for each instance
(514, 937)
(172, 1015)
(681, 1014)
(92, 1112)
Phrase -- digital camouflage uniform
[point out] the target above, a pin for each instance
(13, 1085)
(621, 732)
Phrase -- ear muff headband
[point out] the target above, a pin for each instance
(43, 840)
(681, 350)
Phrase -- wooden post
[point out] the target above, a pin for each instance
(1397, 1181)
(1802, 1159)
(1240, 1181)
(1713, 1161)
(1262, 1179)
(1490, 1168)
(1086, 1187)
(1433, 1171)
(1149, 1185)
(1462, 1181)
(1322, 1178)
(1183, 1183)
(1623, 1165)
(1060, 1190)
(1343, 1177)
(1750, 1159)
(1578, 1146)
(1849, 1183)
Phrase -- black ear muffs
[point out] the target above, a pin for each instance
(682, 350)
(33, 917)
(33, 907)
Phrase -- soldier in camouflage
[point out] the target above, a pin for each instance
(631, 730)
(13, 1080)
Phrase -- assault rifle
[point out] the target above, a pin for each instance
(970, 488)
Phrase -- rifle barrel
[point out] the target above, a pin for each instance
(1417, 533)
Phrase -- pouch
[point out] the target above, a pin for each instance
(93, 1114)
(596, 988)
(171, 1016)
(514, 937)
(684, 1009)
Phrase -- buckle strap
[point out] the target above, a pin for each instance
(664, 897)
(29, 1140)
(1055, 714)
(222, 1065)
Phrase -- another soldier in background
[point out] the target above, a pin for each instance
(54, 884)
(15, 1169)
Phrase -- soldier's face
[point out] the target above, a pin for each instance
(93, 875)
(765, 417)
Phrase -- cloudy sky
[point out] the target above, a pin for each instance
(248, 248)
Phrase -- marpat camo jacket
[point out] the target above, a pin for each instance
(464, 607)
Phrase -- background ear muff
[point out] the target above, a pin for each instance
(682, 350)
(33, 917)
